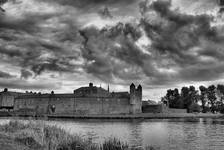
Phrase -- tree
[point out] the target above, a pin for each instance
(212, 96)
(194, 107)
(185, 97)
(194, 97)
(220, 91)
(169, 97)
(173, 98)
(176, 100)
(203, 90)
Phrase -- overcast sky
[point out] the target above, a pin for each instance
(64, 44)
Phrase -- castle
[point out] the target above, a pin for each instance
(90, 100)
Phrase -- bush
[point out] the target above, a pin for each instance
(221, 109)
(28, 141)
(114, 144)
(13, 126)
(206, 109)
(194, 108)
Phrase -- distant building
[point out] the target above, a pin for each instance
(7, 99)
(149, 102)
(83, 101)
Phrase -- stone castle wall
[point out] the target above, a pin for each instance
(73, 105)
(84, 101)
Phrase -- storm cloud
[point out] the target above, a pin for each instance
(5, 75)
(178, 45)
(156, 43)
(184, 39)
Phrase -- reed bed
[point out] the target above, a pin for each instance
(39, 136)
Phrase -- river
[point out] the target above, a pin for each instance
(172, 134)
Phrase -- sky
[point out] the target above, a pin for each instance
(61, 45)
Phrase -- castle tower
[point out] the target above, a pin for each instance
(139, 89)
(132, 94)
(136, 99)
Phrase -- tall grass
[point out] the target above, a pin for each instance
(38, 136)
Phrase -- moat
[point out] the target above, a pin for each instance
(175, 134)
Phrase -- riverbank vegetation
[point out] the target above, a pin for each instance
(205, 99)
(38, 136)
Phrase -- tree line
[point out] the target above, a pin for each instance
(206, 99)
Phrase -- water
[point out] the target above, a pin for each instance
(172, 134)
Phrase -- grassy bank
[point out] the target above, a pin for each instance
(37, 136)
(120, 116)
(141, 116)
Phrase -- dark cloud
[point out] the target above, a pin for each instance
(28, 23)
(92, 3)
(182, 46)
(1, 9)
(5, 75)
(54, 64)
(26, 74)
(25, 85)
(109, 50)
(177, 32)
(163, 47)
(203, 73)
(105, 13)
(32, 42)
(181, 38)
(88, 7)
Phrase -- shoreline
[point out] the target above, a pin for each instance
(125, 116)
(138, 116)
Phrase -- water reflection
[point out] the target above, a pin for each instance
(135, 138)
(176, 134)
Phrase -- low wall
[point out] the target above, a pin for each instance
(152, 109)
(172, 110)
(160, 108)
